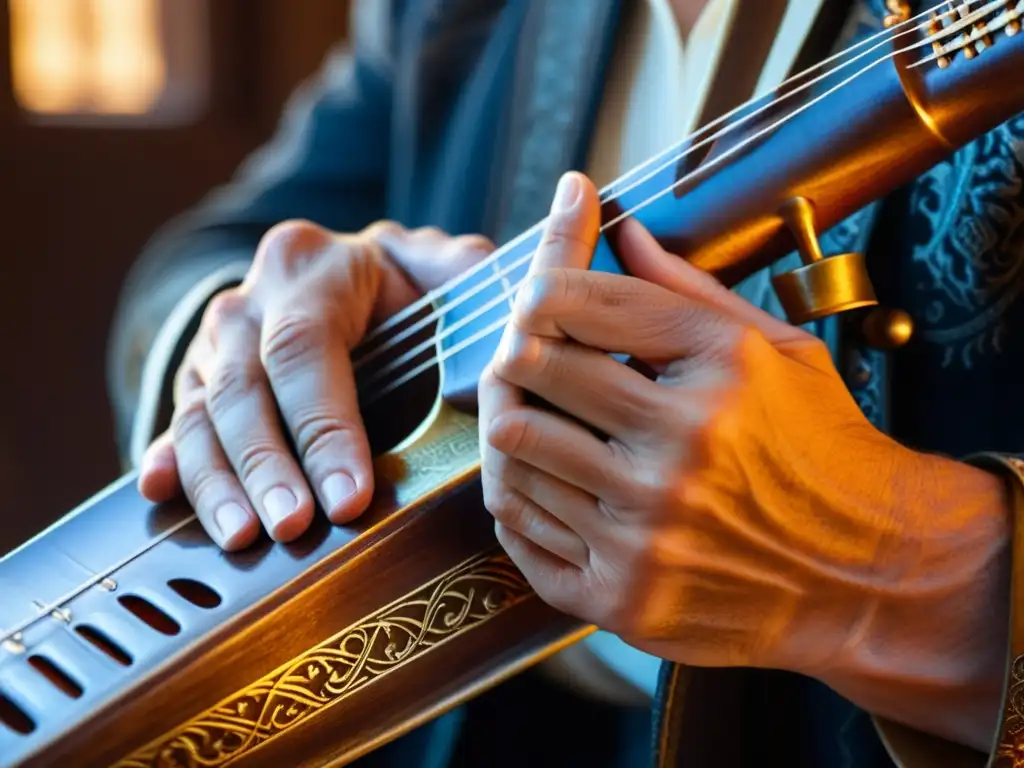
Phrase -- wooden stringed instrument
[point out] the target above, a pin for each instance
(128, 639)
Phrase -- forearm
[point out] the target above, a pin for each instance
(930, 651)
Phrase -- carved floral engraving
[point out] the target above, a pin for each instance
(455, 602)
(1010, 751)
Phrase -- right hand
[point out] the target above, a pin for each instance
(277, 347)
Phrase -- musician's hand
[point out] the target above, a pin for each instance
(280, 342)
(737, 509)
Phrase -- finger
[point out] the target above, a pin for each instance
(584, 382)
(569, 238)
(623, 315)
(517, 512)
(208, 479)
(307, 360)
(555, 445)
(569, 507)
(631, 316)
(556, 582)
(570, 233)
(242, 408)
(572, 227)
(158, 473)
(646, 260)
(420, 260)
(505, 504)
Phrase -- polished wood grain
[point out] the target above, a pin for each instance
(287, 611)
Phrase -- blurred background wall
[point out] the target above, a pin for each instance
(115, 115)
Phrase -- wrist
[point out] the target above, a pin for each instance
(928, 647)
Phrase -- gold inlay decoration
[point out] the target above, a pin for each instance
(1010, 751)
(455, 602)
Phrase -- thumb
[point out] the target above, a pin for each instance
(572, 228)
(570, 235)
(644, 258)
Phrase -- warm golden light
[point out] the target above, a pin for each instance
(128, 69)
(87, 56)
(48, 60)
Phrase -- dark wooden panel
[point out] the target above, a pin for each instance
(77, 206)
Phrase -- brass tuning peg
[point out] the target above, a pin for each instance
(822, 286)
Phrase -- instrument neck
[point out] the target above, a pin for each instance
(883, 115)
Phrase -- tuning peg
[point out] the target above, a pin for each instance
(822, 286)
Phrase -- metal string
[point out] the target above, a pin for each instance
(606, 194)
(100, 576)
(448, 306)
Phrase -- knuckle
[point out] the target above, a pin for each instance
(514, 436)
(190, 416)
(507, 507)
(743, 345)
(528, 356)
(472, 244)
(225, 306)
(292, 339)
(651, 489)
(290, 243)
(229, 303)
(385, 229)
(204, 484)
(430, 233)
(637, 409)
(544, 293)
(232, 379)
(255, 454)
(564, 231)
(316, 432)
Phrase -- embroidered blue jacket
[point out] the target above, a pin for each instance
(433, 117)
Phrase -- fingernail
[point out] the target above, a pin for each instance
(279, 503)
(567, 194)
(230, 519)
(337, 488)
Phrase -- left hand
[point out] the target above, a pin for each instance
(739, 509)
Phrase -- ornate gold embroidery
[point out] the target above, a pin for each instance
(1010, 752)
(454, 603)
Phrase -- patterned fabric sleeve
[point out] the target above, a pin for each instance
(912, 749)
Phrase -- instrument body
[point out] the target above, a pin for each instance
(323, 649)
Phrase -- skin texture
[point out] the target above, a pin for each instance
(720, 500)
(281, 340)
(734, 507)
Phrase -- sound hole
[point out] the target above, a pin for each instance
(149, 613)
(56, 675)
(14, 717)
(195, 592)
(392, 418)
(105, 644)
